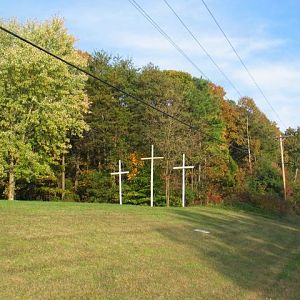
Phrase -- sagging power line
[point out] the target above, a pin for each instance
(242, 62)
(95, 77)
(203, 48)
(166, 36)
(138, 99)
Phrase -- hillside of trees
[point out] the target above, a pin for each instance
(62, 133)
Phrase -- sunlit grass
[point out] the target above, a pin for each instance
(93, 251)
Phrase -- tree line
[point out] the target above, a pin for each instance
(62, 133)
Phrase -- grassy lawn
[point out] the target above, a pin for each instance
(93, 251)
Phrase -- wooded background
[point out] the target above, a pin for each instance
(62, 133)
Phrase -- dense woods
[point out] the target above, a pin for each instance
(62, 133)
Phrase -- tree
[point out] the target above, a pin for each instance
(112, 118)
(166, 91)
(292, 149)
(262, 131)
(266, 178)
(42, 101)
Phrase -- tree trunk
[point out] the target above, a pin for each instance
(199, 180)
(296, 175)
(87, 161)
(192, 180)
(11, 181)
(63, 177)
(77, 173)
(167, 190)
(199, 174)
(167, 177)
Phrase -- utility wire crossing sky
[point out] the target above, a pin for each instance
(190, 126)
(264, 33)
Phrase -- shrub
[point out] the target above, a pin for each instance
(94, 186)
(266, 202)
(266, 179)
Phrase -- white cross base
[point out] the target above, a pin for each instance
(120, 173)
(152, 158)
(183, 168)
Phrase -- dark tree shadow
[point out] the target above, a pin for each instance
(251, 250)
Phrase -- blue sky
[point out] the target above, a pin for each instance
(265, 33)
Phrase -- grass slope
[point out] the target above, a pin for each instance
(93, 251)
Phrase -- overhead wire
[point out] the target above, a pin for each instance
(202, 48)
(88, 73)
(94, 76)
(243, 63)
(171, 41)
(166, 36)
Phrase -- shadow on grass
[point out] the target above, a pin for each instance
(253, 252)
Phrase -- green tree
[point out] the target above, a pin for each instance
(165, 90)
(265, 151)
(292, 150)
(262, 131)
(42, 101)
(112, 115)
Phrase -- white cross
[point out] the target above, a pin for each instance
(183, 168)
(152, 170)
(120, 173)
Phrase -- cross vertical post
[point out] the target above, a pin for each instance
(183, 181)
(120, 183)
(183, 168)
(120, 173)
(152, 158)
(152, 176)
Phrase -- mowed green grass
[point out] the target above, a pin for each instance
(94, 251)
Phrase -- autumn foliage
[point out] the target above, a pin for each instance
(57, 123)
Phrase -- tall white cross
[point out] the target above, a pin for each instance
(152, 171)
(183, 168)
(120, 173)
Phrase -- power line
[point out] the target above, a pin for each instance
(171, 41)
(202, 47)
(95, 77)
(242, 62)
(166, 36)
(109, 84)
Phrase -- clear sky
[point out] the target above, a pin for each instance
(265, 33)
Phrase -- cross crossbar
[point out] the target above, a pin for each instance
(181, 168)
(118, 173)
(149, 158)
